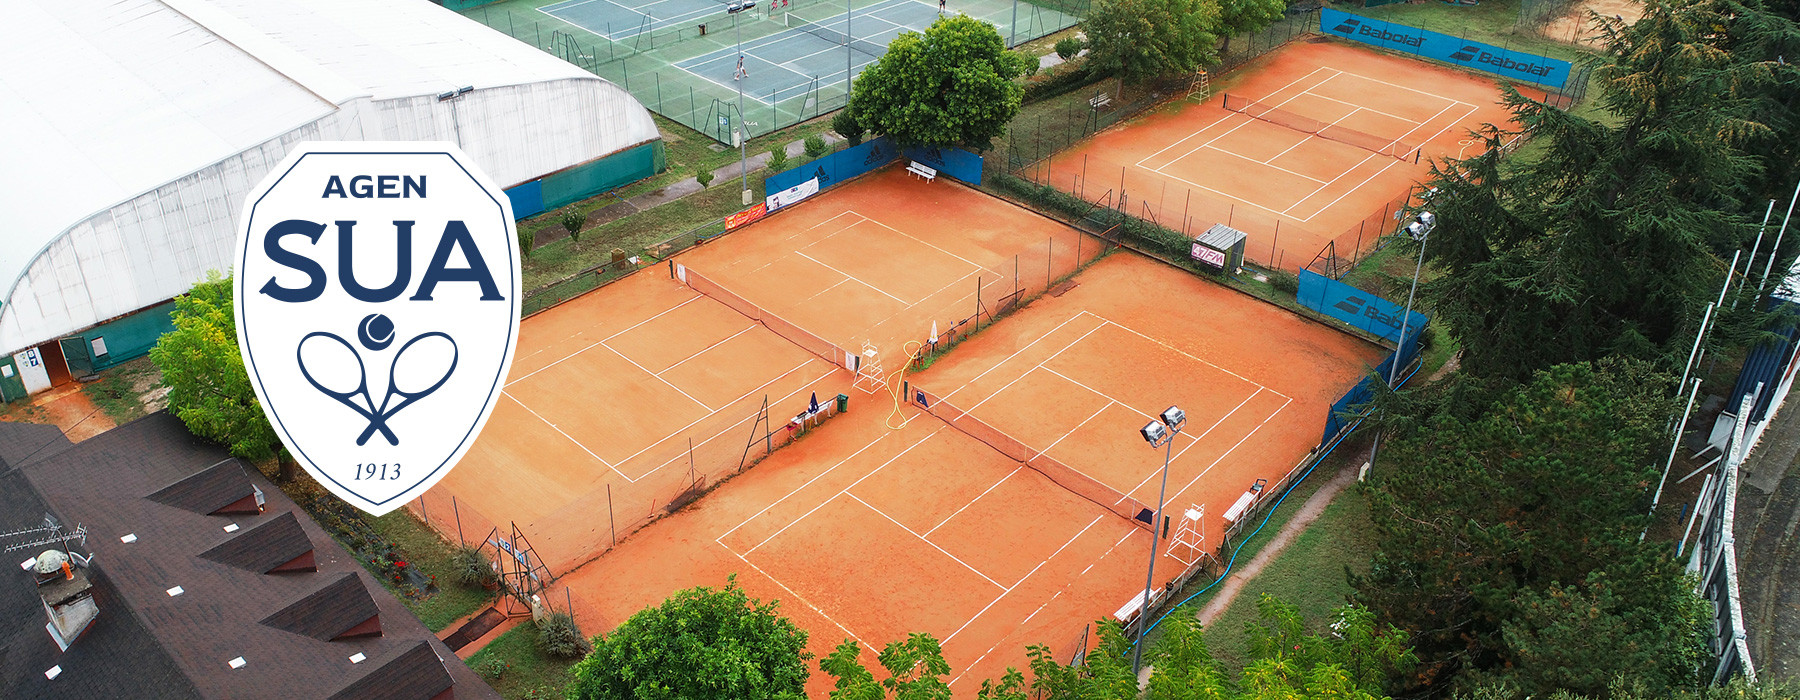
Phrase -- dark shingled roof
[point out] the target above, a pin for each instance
(414, 673)
(328, 612)
(208, 490)
(262, 548)
(115, 658)
(106, 483)
(22, 443)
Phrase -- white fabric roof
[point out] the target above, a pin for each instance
(103, 101)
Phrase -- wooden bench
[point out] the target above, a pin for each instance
(922, 170)
(1101, 100)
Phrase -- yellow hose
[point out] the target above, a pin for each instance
(913, 350)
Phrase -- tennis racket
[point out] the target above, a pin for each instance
(420, 368)
(333, 357)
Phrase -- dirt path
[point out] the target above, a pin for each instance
(1309, 512)
(1574, 27)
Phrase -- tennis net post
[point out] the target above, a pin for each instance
(806, 339)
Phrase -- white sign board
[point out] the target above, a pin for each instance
(793, 194)
(1207, 255)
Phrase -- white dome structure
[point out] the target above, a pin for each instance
(131, 130)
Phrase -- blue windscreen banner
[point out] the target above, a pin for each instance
(836, 167)
(952, 162)
(527, 199)
(1372, 314)
(1506, 63)
(1350, 405)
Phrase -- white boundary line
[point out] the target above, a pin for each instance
(709, 410)
(697, 296)
(745, 395)
(797, 596)
(1022, 579)
(1203, 129)
(802, 487)
(927, 540)
(705, 350)
(1233, 448)
(822, 503)
(571, 438)
(1200, 437)
(972, 501)
(1039, 363)
(854, 277)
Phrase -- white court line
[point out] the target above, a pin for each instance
(1184, 353)
(697, 296)
(1004, 360)
(922, 538)
(708, 348)
(1110, 401)
(1247, 118)
(1233, 448)
(709, 410)
(1199, 439)
(802, 487)
(846, 489)
(1377, 111)
(1022, 579)
(971, 502)
(1040, 363)
(1352, 190)
(1203, 129)
(1266, 163)
(854, 277)
(878, 222)
(745, 395)
(559, 431)
(797, 596)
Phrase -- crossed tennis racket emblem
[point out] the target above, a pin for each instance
(421, 366)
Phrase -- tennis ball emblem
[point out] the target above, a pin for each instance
(376, 332)
(377, 292)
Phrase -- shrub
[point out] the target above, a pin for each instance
(492, 668)
(778, 159)
(847, 126)
(815, 146)
(704, 176)
(1284, 281)
(526, 240)
(558, 637)
(1067, 48)
(472, 567)
(572, 220)
(1062, 82)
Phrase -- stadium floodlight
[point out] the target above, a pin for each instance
(1159, 433)
(442, 96)
(466, 89)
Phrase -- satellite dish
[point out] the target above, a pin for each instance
(51, 561)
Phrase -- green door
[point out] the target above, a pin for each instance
(75, 353)
(12, 387)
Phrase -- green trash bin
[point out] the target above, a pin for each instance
(843, 403)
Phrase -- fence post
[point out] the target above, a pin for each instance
(1273, 244)
(457, 516)
(609, 515)
(1184, 211)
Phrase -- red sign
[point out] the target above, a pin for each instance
(746, 216)
(1209, 256)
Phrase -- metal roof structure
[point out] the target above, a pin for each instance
(132, 129)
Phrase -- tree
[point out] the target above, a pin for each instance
(208, 388)
(1581, 638)
(1616, 235)
(815, 146)
(847, 126)
(701, 642)
(1068, 47)
(704, 176)
(1240, 17)
(1144, 39)
(915, 668)
(572, 221)
(527, 239)
(778, 158)
(1545, 482)
(950, 86)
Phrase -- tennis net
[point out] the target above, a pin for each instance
(806, 339)
(1058, 473)
(872, 49)
(1392, 148)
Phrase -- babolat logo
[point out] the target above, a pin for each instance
(1475, 54)
(1351, 27)
(377, 296)
(1348, 26)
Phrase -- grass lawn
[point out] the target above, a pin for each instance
(564, 257)
(119, 391)
(431, 555)
(531, 673)
(1491, 22)
(1309, 574)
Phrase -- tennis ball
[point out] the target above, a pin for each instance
(376, 332)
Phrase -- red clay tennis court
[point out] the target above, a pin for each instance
(879, 525)
(1319, 142)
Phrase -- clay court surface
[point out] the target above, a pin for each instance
(1290, 190)
(884, 523)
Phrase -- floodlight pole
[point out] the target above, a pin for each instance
(743, 128)
(849, 60)
(1143, 622)
(1406, 317)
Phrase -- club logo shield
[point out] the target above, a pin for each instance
(377, 290)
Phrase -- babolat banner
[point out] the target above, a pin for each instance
(1506, 63)
(1378, 316)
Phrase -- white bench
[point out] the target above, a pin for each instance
(922, 170)
(1100, 100)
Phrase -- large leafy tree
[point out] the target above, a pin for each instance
(700, 643)
(950, 86)
(1139, 40)
(1484, 518)
(1614, 235)
(208, 388)
(1239, 17)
